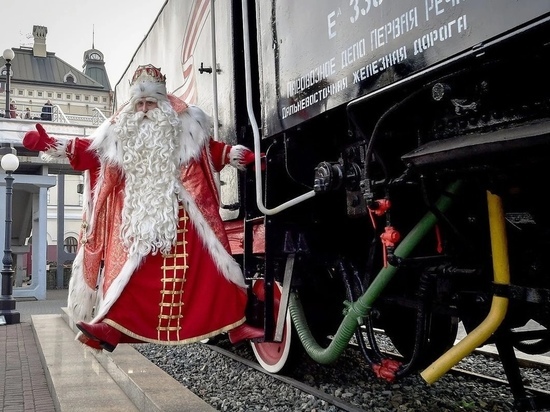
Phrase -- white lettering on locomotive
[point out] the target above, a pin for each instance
(394, 29)
(314, 98)
(354, 52)
(436, 8)
(363, 9)
(441, 34)
(381, 64)
(315, 76)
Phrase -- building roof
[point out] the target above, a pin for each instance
(49, 71)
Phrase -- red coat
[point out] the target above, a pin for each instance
(195, 292)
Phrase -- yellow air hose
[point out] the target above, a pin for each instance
(499, 305)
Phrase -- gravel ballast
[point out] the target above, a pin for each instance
(229, 385)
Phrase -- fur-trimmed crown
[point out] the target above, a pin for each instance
(148, 81)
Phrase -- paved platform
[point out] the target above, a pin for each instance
(46, 370)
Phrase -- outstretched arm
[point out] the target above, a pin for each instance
(237, 156)
(75, 150)
(38, 140)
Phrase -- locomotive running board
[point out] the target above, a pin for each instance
(469, 149)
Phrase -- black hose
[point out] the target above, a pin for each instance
(350, 295)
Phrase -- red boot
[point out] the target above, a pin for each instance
(94, 344)
(107, 336)
(245, 331)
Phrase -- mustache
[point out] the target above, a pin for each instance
(152, 114)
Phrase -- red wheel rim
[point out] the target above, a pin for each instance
(272, 356)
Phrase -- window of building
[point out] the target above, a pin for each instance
(87, 98)
(20, 92)
(68, 96)
(50, 94)
(29, 93)
(39, 94)
(80, 190)
(59, 95)
(104, 100)
(77, 97)
(96, 99)
(69, 79)
(70, 244)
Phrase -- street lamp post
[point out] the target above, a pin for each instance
(8, 314)
(8, 57)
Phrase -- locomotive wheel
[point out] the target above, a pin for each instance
(277, 357)
(400, 325)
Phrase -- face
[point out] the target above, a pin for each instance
(144, 105)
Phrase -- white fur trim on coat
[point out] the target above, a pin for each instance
(227, 265)
(82, 299)
(116, 288)
(86, 302)
(58, 150)
(236, 156)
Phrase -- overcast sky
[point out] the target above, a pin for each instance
(119, 27)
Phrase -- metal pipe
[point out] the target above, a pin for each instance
(357, 310)
(255, 129)
(7, 303)
(499, 305)
(214, 71)
(8, 57)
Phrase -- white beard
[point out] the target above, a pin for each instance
(149, 148)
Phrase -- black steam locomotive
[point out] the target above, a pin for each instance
(406, 154)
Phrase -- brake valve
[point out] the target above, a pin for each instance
(389, 238)
(380, 207)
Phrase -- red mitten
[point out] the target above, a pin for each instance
(38, 140)
(240, 156)
(249, 157)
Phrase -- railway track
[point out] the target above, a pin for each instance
(533, 390)
(230, 379)
(459, 375)
(333, 400)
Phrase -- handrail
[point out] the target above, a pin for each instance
(96, 110)
(97, 116)
(56, 112)
(35, 111)
(255, 129)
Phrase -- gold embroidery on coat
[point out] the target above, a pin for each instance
(174, 271)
